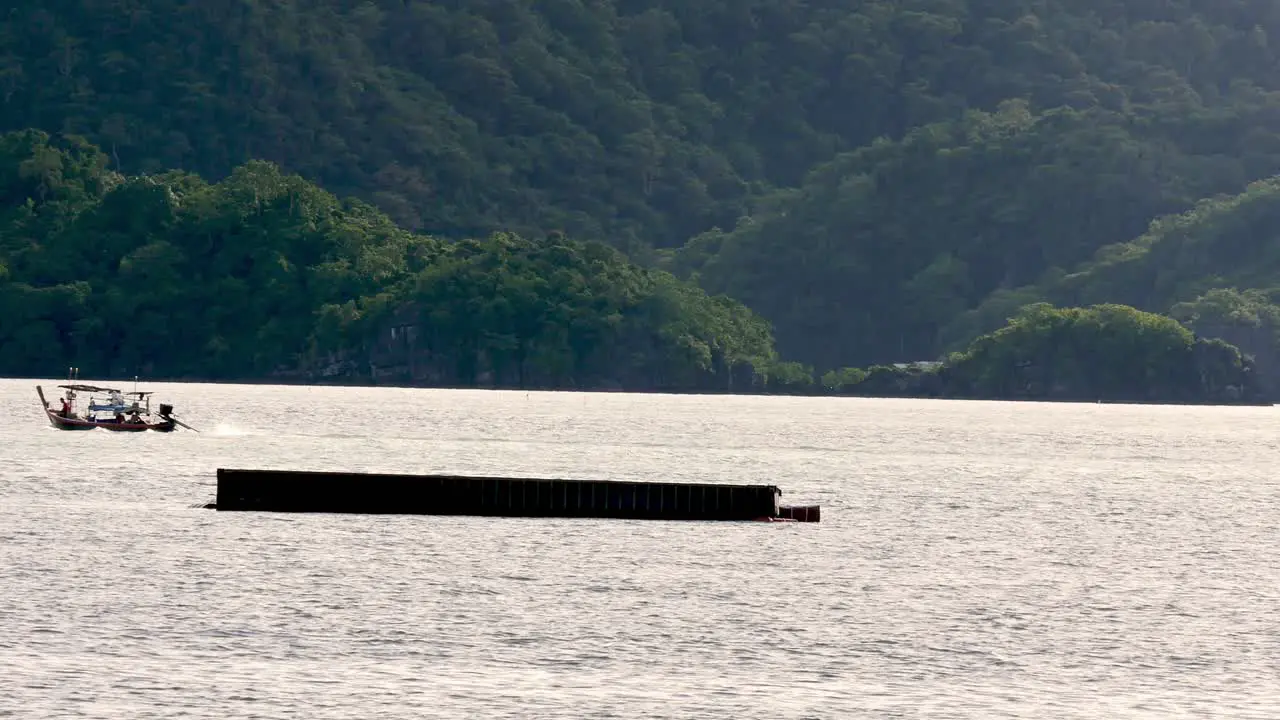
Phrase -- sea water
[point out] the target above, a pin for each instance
(974, 560)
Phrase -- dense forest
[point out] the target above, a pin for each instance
(1215, 268)
(1104, 352)
(265, 273)
(879, 181)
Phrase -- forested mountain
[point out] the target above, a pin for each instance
(262, 273)
(1103, 352)
(1191, 266)
(880, 179)
(1170, 103)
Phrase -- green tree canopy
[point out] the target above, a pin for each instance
(263, 272)
(861, 173)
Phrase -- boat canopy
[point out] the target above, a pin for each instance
(96, 389)
(89, 388)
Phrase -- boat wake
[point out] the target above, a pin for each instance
(228, 430)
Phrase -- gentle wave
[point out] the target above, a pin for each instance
(974, 560)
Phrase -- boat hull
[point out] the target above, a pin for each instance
(81, 424)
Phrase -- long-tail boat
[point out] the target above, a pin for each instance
(115, 410)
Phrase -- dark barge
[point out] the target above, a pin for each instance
(372, 493)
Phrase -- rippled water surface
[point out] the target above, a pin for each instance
(975, 560)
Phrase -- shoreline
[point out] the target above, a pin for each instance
(295, 382)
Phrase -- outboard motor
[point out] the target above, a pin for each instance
(166, 409)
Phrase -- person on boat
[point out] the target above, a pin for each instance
(135, 418)
(66, 408)
(119, 417)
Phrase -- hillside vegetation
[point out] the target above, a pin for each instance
(265, 275)
(1104, 352)
(1192, 266)
(262, 272)
(881, 180)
